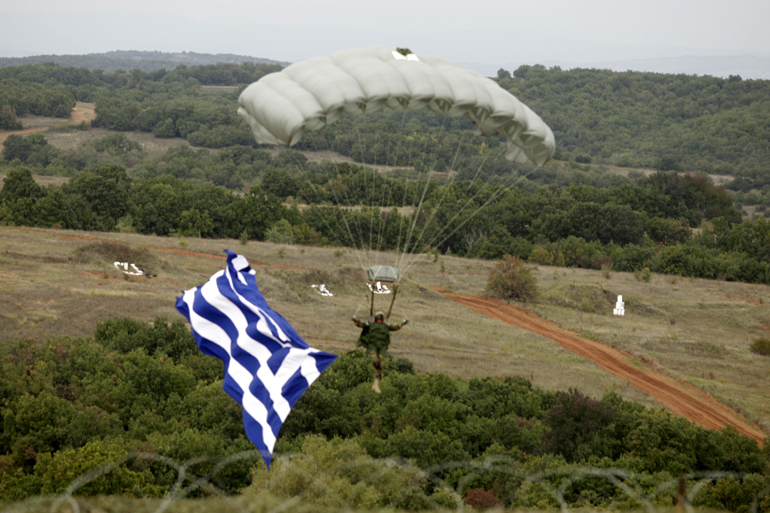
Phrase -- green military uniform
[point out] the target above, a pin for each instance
(375, 337)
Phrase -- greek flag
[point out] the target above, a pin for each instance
(267, 364)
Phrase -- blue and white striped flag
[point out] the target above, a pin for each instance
(267, 364)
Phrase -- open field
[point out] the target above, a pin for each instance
(56, 283)
(677, 396)
(84, 112)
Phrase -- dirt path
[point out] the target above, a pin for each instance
(80, 113)
(83, 112)
(26, 131)
(679, 397)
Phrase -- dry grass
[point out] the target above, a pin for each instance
(698, 331)
(40, 179)
(151, 145)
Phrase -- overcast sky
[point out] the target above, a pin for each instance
(492, 33)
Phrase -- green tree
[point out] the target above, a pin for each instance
(16, 147)
(580, 427)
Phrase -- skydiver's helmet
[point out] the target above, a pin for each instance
(379, 316)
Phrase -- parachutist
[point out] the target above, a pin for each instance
(375, 337)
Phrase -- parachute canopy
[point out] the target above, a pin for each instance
(382, 273)
(308, 95)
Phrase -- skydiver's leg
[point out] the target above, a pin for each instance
(377, 364)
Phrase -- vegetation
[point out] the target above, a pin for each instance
(69, 405)
(663, 121)
(511, 279)
(123, 60)
(761, 346)
(630, 227)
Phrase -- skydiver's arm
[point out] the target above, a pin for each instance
(360, 323)
(397, 326)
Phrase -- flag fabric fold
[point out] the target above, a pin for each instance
(267, 364)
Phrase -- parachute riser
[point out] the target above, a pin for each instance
(371, 307)
(392, 300)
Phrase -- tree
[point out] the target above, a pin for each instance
(8, 118)
(20, 184)
(580, 427)
(17, 147)
(106, 190)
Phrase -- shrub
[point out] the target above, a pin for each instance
(580, 427)
(760, 346)
(541, 256)
(512, 279)
(479, 498)
(336, 473)
(644, 275)
(280, 233)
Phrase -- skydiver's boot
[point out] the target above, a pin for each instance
(377, 364)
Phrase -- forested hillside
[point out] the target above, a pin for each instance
(110, 62)
(570, 212)
(670, 122)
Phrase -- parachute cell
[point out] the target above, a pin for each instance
(310, 94)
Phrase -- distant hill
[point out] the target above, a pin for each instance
(129, 60)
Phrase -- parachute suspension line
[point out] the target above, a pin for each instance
(479, 209)
(415, 217)
(339, 203)
(500, 190)
(448, 186)
(478, 172)
(417, 208)
(392, 153)
(392, 300)
(363, 158)
(410, 263)
(390, 201)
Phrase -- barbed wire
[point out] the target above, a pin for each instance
(555, 482)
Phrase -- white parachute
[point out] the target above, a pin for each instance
(311, 94)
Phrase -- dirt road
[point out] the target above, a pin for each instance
(82, 112)
(678, 397)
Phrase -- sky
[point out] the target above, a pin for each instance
(714, 36)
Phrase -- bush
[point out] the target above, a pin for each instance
(512, 279)
(580, 427)
(644, 275)
(280, 233)
(479, 499)
(541, 256)
(760, 346)
(337, 473)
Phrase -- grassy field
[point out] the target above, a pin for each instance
(61, 283)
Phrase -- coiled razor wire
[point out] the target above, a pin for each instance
(628, 482)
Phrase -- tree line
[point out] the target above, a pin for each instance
(629, 227)
(634, 119)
